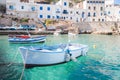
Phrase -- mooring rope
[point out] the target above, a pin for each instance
(24, 64)
(14, 58)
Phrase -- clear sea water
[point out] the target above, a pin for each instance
(101, 63)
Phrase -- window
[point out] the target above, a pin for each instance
(96, 1)
(57, 17)
(93, 19)
(102, 19)
(41, 16)
(101, 14)
(33, 8)
(94, 14)
(65, 12)
(11, 7)
(119, 12)
(57, 11)
(89, 14)
(71, 18)
(88, 2)
(101, 8)
(98, 19)
(105, 13)
(65, 4)
(108, 12)
(53, 17)
(48, 8)
(103, 2)
(48, 16)
(41, 8)
(89, 7)
(99, 1)
(22, 7)
(77, 12)
(83, 14)
(94, 8)
(77, 20)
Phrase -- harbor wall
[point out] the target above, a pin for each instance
(83, 28)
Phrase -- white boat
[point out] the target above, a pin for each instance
(26, 39)
(49, 55)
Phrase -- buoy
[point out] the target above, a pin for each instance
(94, 46)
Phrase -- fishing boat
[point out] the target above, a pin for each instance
(25, 39)
(49, 55)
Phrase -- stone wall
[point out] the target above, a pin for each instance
(6, 22)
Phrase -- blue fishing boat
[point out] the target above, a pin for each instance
(26, 39)
(49, 55)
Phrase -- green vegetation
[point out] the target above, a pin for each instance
(51, 1)
(2, 8)
(2, 16)
(76, 1)
(49, 21)
(15, 19)
(24, 20)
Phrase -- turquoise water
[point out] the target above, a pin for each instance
(101, 63)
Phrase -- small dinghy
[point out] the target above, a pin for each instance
(49, 55)
(25, 39)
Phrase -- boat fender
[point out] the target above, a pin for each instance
(67, 57)
(83, 53)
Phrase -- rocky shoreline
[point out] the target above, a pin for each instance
(108, 28)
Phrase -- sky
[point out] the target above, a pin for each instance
(116, 1)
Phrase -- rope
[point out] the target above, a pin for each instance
(24, 64)
(14, 58)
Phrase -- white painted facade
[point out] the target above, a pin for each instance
(109, 2)
(92, 10)
(112, 13)
(95, 10)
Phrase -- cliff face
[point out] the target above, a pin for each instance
(99, 27)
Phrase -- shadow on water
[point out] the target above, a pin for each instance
(9, 70)
(89, 71)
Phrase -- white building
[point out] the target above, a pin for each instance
(109, 2)
(112, 13)
(31, 9)
(88, 10)
(95, 10)
(21, 9)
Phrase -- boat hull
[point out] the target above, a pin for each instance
(28, 40)
(43, 58)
